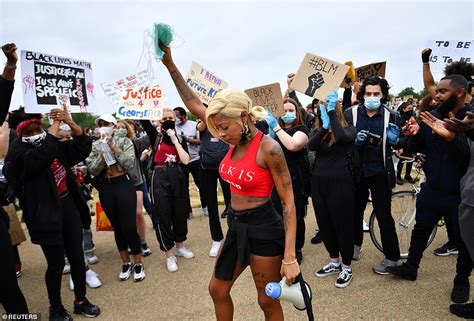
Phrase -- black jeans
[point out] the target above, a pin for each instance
(170, 215)
(119, 201)
(194, 168)
(10, 294)
(430, 207)
(209, 179)
(334, 215)
(381, 202)
(72, 245)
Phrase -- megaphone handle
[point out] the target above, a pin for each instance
(307, 299)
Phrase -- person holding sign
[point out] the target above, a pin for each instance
(168, 188)
(377, 132)
(334, 175)
(252, 166)
(109, 161)
(291, 133)
(39, 168)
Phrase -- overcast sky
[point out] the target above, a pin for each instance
(247, 43)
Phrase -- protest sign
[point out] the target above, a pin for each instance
(46, 77)
(318, 76)
(141, 103)
(446, 51)
(132, 98)
(204, 83)
(373, 69)
(268, 96)
(113, 89)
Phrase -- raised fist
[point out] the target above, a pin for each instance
(315, 81)
(425, 55)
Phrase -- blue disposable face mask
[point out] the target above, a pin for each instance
(289, 117)
(372, 103)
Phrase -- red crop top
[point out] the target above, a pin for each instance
(245, 176)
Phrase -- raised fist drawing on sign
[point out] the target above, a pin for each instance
(315, 81)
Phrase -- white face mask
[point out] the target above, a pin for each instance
(106, 131)
(34, 140)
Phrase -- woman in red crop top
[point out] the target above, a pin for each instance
(255, 162)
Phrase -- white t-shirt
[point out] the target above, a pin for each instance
(188, 129)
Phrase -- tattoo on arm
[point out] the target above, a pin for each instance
(183, 89)
(280, 167)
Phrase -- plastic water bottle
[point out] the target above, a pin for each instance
(107, 152)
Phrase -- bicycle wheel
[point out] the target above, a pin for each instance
(403, 213)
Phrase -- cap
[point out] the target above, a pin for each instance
(108, 118)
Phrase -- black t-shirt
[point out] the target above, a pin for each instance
(299, 157)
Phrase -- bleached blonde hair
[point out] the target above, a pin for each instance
(231, 103)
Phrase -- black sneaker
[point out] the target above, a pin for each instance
(410, 179)
(344, 278)
(138, 272)
(328, 269)
(86, 308)
(460, 293)
(145, 249)
(317, 238)
(465, 311)
(399, 181)
(404, 271)
(59, 314)
(446, 250)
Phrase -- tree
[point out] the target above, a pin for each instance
(409, 91)
(84, 120)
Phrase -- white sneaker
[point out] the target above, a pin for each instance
(365, 226)
(214, 249)
(205, 211)
(171, 264)
(92, 258)
(182, 251)
(92, 279)
(126, 271)
(138, 272)
(67, 267)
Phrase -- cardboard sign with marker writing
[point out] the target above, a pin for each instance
(445, 52)
(374, 69)
(318, 76)
(268, 96)
(204, 83)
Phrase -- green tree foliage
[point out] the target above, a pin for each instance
(84, 120)
(409, 91)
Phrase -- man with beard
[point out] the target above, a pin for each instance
(447, 159)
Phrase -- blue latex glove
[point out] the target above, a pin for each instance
(361, 137)
(393, 134)
(271, 120)
(324, 117)
(331, 99)
(271, 132)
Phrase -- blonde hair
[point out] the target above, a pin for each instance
(232, 103)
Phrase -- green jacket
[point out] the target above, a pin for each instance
(125, 158)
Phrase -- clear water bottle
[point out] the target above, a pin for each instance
(107, 152)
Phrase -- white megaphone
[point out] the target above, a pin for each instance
(287, 292)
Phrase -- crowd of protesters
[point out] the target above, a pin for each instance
(268, 168)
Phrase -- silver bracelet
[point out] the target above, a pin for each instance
(10, 66)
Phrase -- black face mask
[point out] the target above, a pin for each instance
(447, 106)
(167, 124)
(262, 126)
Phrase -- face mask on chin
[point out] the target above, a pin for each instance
(372, 103)
(34, 140)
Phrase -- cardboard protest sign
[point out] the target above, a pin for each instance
(46, 77)
(133, 98)
(446, 51)
(373, 69)
(204, 83)
(318, 76)
(268, 96)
